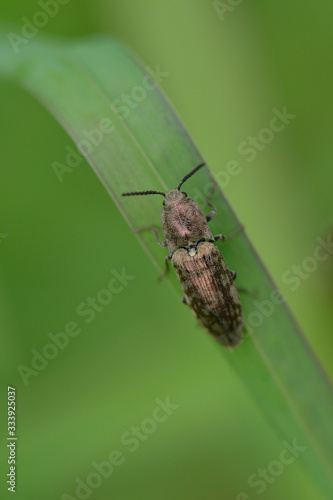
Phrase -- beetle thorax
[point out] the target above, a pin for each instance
(183, 221)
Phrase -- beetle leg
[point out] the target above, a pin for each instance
(167, 258)
(184, 300)
(241, 289)
(211, 214)
(152, 228)
(219, 237)
(226, 238)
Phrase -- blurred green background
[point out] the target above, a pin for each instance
(227, 73)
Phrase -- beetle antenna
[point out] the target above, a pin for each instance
(135, 193)
(190, 175)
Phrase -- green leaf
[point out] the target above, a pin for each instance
(140, 144)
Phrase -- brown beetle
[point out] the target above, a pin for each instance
(207, 282)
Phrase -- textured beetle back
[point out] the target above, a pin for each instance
(210, 291)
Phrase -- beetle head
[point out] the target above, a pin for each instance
(174, 197)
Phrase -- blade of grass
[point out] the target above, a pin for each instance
(86, 85)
